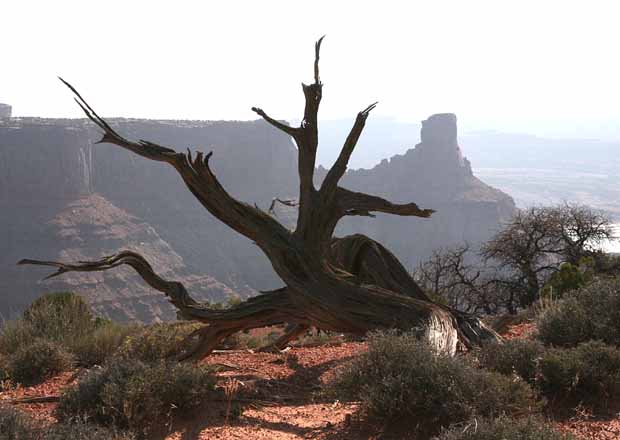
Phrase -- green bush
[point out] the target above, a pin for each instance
(133, 394)
(157, 341)
(102, 343)
(588, 373)
(569, 277)
(503, 428)
(565, 323)
(66, 319)
(512, 357)
(16, 334)
(589, 313)
(401, 377)
(60, 316)
(37, 361)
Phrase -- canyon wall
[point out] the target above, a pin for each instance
(62, 197)
(434, 175)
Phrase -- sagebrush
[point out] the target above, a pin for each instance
(503, 428)
(133, 394)
(401, 378)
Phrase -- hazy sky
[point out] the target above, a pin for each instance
(546, 67)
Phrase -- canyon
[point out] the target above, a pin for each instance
(64, 198)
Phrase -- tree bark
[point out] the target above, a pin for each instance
(350, 285)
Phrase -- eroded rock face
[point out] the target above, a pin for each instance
(439, 146)
(62, 197)
(434, 175)
(91, 227)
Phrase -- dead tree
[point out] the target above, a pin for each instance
(450, 274)
(350, 285)
(582, 230)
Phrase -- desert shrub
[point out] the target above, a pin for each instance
(60, 316)
(15, 425)
(503, 428)
(608, 264)
(588, 373)
(565, 323)
(80, 429)
(37, 361)
(401, 377)
(103, 342)
(65, 319)
(569, 277)
(133, 394)
(16, 334)
(157, 341)
(512, 357)
(589, 313)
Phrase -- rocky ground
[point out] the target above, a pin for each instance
(275, 396)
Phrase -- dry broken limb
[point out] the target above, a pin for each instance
(349, 285)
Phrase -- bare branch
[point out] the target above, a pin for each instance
(143, 148)
(317, 51)
(198, 177)
(340, 166)
(355, 203)
(177, 293)
(307, 144)
(359, 213)
(269, 308)
(291, 131)
(292, 203)
(174, 290)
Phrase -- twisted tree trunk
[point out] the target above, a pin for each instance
(349, 285)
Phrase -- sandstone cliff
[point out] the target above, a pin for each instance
(63, 197)
(434, 175)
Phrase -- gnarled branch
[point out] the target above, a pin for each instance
(291, 131)
(174, 290)
(317, 52)
(270, 308)
(197, 175)
(354, 203)
(340, 166)
(291, 203)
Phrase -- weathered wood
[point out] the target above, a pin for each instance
(350, 285)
